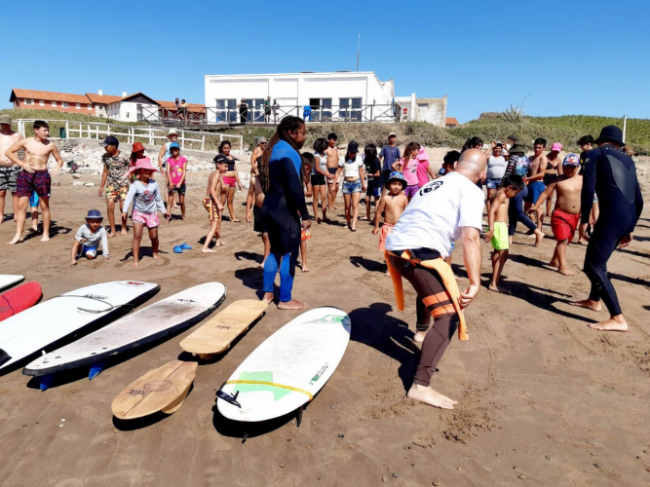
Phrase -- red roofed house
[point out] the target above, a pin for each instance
(451, 122)
(47, 100)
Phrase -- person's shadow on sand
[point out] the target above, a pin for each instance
(144, 252)
(243, 254)
(373, 327)
(367, 264)
(55, 230)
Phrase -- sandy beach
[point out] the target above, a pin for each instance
(543, 400)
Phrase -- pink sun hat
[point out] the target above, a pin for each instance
(556, 147)
(143, 163)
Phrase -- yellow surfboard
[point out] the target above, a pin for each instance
(218, 333)
(162, 389)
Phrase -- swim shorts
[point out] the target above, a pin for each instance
(493, 183)
(386, 230)
(500, 239)
(39, 182)
(534, 191)
(411, 191)
(8, 176)
(211, 208)
(258, 221)
(305, 235)
(115, 192)
(89, 252)
(564, 225)
(317, 180)
(180, 190)
(149, 220)
(229, 181)
(350, 187)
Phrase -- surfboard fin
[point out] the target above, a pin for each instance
(4, 357)
(299, 418)
(46, 381)
(228, 398)
(96, 369)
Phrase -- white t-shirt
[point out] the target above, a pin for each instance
(351, 168)
(435, 216)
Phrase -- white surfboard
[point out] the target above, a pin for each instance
(288, 369)
(8, 280)
(35, 329)
(178, 311)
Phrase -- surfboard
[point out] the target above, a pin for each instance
(19, 299)
(288, 369)
(216, 335)
(8, 280)
(162, 389)
(168, 315)
(61, 317)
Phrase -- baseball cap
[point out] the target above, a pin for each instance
(392, 134)
(110, 140)
(5, 119)
(571, 160)
(556, 147)
(174, 145)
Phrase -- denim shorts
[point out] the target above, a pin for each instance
(493, 183)
(350, 187)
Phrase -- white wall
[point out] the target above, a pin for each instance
(126, 111)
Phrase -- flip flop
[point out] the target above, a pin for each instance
(185, 246)
(178, 249)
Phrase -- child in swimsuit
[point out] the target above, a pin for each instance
(147, 200)
(393, 205)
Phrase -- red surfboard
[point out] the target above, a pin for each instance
(19, 299)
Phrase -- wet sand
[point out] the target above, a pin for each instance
(543, 400)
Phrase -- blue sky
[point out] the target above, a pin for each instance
(563, 57)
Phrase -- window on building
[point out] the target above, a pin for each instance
(127, 114)
(53, 103)
(78, 106)
(227, 110)
(255, 109)
(41, 103)
(28, 101)
(65, 104)
(90, 107)
(321, 109)
(350, 108)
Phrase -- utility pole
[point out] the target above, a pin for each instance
(358, 51)
(624, 126)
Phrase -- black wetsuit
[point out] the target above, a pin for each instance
(612, 175)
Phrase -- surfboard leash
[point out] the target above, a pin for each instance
(111, 307)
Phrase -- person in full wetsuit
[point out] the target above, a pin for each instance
(611, 174)
(284, 210)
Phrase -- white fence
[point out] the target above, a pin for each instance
(187, 139)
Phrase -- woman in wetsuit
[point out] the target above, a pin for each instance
(611, 174)
(284, 211)
(230, 180)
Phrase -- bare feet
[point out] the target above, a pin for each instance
(615, 323)
(46, 238)
(112, 234)
(539, 236)
(304, 268)
(136, 264)
(249, 218)
(208, 250)
(292, 305)
(268, 298)
(494, 287)
(15, 240)
(235, 221)
(419, 336)
(35, 226)
(123, 232)
(156, 256)
(554, 263)
(220, 243)
(428, 396)
(588, 304)
(565, 271)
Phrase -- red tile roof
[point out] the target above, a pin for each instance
(103, 99)
(451, 121)
(47, 95)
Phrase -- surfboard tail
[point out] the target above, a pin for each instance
(4, 357)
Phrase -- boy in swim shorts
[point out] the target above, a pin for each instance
(497, 234)
(566, 215)
(89, 237)
(393, 205)
(214, 207)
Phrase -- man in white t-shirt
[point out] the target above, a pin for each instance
(443, 210)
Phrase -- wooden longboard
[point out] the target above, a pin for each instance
(162, 389)
(218, 333)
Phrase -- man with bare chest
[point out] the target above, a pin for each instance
(34, 177)
(8, 170)
(332, 153)
(535, 178)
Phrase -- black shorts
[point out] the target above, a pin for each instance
(258, 221)
(317, 180)
(180, 190)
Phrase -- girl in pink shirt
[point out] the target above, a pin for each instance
(408, 165)
(424, 168)
(176, 169)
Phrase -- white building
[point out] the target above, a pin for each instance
(132, 108)
(341, 95)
